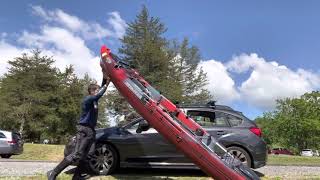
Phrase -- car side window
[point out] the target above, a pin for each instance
(134, 126)
(207, 118)
(2, 135)
(221, 119)
(203, 118)
(233, 120)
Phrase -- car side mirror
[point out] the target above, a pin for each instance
(143, 126)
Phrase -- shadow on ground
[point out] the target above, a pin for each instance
(157, 174)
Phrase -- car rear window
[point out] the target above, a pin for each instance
(306, 150)
(16, 136)
(2, 135)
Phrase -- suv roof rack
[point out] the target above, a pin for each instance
(210, 104)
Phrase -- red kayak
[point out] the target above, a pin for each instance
(172, 123)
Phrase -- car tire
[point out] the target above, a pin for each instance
(104, 161)
(240, 154)
(6, 156)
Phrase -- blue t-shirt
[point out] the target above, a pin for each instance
(89, 115)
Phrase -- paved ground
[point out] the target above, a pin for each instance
(27, 168)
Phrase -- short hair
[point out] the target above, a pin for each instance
(92, 87)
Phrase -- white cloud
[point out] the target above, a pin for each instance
(221, 85)
(88, 30)
(64, 37)
(117, 23)
(66, 48)
(269, 81)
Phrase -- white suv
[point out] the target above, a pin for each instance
(306, 152)
(10, 144)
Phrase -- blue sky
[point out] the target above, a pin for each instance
(253, 51)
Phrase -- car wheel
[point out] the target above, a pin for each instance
(105, 160)
(240, 154)
(6, 156)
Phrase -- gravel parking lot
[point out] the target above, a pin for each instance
(29, 168)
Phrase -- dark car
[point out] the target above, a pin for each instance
(278, 151)
(10, 144)
(135, 144)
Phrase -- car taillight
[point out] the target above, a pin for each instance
(257, 131)
(12, 142)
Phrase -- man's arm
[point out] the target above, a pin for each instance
(102, 90)
(96, 97)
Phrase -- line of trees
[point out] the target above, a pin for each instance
(295, 123)
(42, 102)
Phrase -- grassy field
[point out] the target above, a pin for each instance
(55, 153)
(41, 152)
(293, 160)
(68, 177)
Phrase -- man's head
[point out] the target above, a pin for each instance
(93, 89)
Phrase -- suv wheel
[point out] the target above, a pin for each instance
(240, 154)
(105, 160)
(6, 156)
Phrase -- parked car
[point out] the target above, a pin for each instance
(10, 144)
(306, 152)
(278, 151)
(136, 144)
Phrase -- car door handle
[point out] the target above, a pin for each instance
(221, 133)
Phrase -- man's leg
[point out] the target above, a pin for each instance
(52, 174)
(89, 139)
(81, 144)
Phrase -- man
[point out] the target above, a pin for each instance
(85, 131)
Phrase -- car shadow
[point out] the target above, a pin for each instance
(258, 173)
(152, 174)
(155, 174)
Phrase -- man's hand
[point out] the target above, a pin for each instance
(105, 81)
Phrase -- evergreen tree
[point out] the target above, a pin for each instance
(41, 102)
(145, 48)
(173, 70)
(191, 78)
(28, 94)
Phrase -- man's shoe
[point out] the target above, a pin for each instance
(80, 177)
(51, 175)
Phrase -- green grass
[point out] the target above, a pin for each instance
(55, 153)
(41, 152)
(293, 160)
(116, 177)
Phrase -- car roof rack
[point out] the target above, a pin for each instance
(210, 104)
